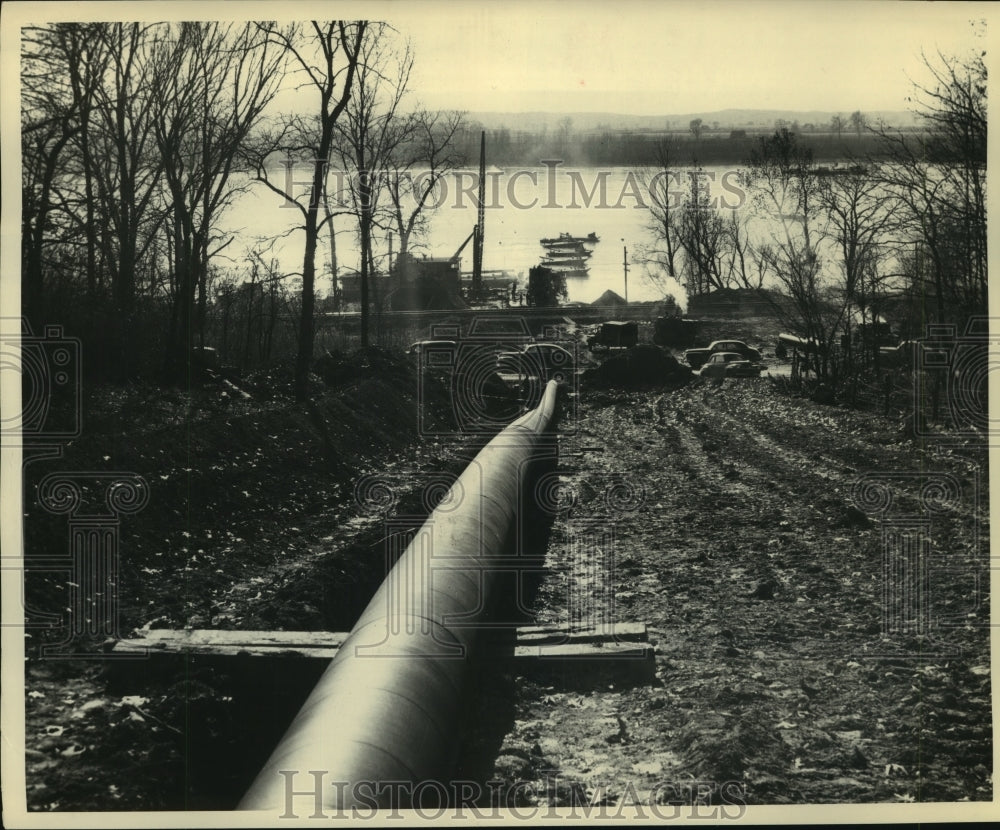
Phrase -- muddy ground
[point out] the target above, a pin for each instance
(730, 519)
(798, 658)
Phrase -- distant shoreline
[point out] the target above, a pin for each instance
(505, 148)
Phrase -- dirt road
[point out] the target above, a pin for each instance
(815, 584)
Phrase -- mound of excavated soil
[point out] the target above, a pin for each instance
(221, 469)
(639, 367)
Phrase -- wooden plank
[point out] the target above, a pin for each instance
(611, 632)
(577, 652)
(195, 638)
(323, 645)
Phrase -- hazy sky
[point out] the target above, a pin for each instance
(645, 57)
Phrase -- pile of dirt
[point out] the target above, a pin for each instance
(610, 299)
(220, 473)
(639, 367)
(337, 368)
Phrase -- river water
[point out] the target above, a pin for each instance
(523, 205)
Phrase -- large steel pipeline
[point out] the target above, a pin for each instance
(384, 715)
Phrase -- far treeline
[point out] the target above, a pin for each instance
(629, 148)
(137, 137)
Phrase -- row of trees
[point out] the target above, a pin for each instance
(837, 245)
(136, 138)
(857, 121)
(640, 148)
(130, 136)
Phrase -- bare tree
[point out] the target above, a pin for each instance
(325, 55)
(837, 124)
(664, 186)
(939, 179)
(858, 122)
(701, 234)
(127, 169)
(212, 82)
(416, 167)
(86, 62)
(706, 246)
(744, 266)
(859, 222)
(788, 191)
(373, 128)
(49, 120)
(98, 83)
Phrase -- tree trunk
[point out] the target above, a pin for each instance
(272, 319)
(248, 339)
(224, 337)
(366, 242)
(334, 282)
(184, 267)
(307, 331)
(200, 256)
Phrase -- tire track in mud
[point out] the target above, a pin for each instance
(957, 522)
(604, 748)
(759, 588)
(768, 541)
(802, 460)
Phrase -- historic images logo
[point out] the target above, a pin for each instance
(548, 186)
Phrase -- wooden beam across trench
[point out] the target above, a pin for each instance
(534, 644)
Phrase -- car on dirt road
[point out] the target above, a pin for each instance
(698, 357)
(547, 360)
(729, 365)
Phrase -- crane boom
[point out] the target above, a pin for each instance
(458, 253)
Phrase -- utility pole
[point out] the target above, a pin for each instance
(477, 246)
(625, 263)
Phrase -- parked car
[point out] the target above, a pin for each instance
(698, 357)
(729, 365)
(547, 360)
